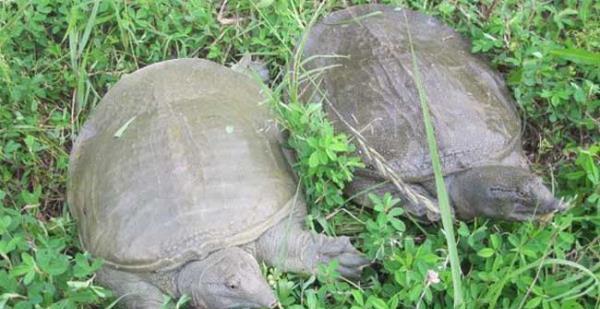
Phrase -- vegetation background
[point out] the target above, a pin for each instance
(58, 58)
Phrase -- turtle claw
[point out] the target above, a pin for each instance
(351, 261)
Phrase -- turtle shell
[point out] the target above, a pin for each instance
(178, 160)
(366, 79)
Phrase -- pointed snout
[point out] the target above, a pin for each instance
(557, 205)
(268, 301)
(549, 207)
(263, 294)
(547, 203)
(554, 205)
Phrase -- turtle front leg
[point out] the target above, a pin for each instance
(134, 290)
(290, 248)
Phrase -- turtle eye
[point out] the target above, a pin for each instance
(233, 283)
(524, 193)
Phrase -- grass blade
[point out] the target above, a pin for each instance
(497, 289)
(88, 28)
(442, 195)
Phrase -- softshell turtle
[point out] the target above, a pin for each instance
(365, 78)
(178, 183)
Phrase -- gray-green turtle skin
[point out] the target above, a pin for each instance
(369, 84)
(178, 183)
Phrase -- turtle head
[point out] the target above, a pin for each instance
(229, 278)
(502, 192)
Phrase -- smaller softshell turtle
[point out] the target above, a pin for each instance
(178, 183)
(366, 79)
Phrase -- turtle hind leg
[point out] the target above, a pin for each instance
(360, 188)
(132, 291)
(290, 248)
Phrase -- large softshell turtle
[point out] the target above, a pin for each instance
(178, 183)
(365, 76)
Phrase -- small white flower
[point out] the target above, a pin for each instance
(432, 277)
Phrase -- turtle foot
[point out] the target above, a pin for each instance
(351, 261)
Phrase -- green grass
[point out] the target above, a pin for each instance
(58, 58)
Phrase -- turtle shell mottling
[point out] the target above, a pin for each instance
(178, 160)
(370, 84)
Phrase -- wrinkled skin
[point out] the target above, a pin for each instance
(230, 278)
(501, 192)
